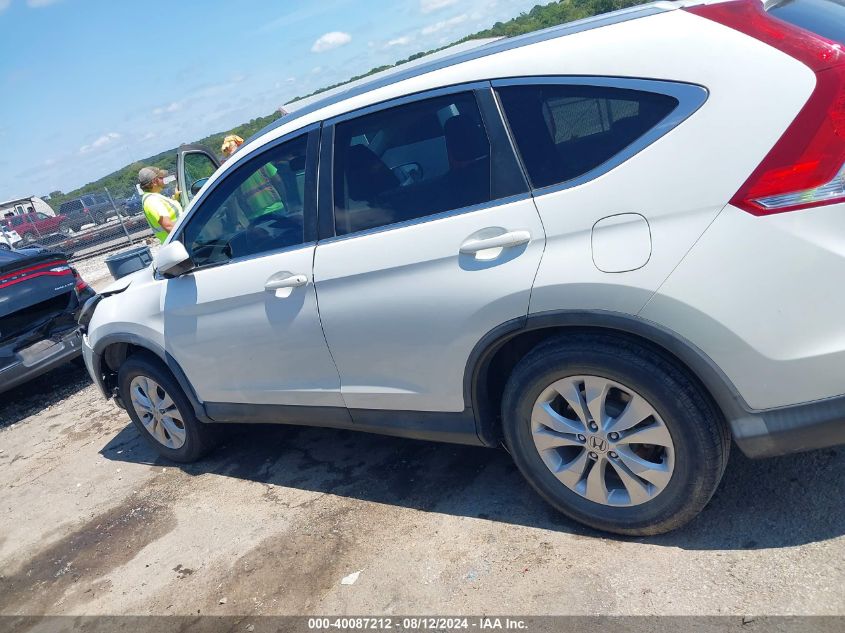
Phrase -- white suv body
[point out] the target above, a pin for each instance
(533, 240)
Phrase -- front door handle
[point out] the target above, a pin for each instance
(282, 280)
(505, 240)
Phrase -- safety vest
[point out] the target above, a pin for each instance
(260, 195)
(155, 206)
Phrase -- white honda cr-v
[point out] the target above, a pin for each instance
(611, 246)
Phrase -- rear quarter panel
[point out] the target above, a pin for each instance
(681, 182)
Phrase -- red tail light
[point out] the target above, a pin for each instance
(806, 167)
(80, 282)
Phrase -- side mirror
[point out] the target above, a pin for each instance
(198, 184)
(173, 260)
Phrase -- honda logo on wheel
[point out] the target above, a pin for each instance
(598, 444)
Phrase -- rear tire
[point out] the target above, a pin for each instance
(5, 247)
(161, 412)
(639, 488)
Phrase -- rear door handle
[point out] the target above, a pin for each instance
(285, 279)
(505, 240)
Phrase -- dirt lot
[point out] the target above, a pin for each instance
(93, 523)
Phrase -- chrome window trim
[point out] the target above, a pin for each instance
(690, 98)
(443, 215)
(486, 50)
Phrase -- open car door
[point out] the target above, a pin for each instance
(194, 165)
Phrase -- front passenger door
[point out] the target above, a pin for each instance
(243, 324)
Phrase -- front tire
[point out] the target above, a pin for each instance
(613, 434)
(161, 412)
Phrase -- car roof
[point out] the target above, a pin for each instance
(439, 62)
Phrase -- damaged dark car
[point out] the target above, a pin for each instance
(40, 299)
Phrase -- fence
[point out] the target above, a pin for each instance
(93, 224)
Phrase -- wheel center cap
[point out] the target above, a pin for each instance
(597, 443)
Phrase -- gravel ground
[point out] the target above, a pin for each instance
(93, 522)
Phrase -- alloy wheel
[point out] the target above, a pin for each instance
(157, 412)
(603, 440)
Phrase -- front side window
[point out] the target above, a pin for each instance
(257, 208)
(565, 131)
(410, 161)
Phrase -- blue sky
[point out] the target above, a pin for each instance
(90, 85)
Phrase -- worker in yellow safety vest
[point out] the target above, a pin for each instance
(161, 212)
(261, 190)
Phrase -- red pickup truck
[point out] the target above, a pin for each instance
(36, 226)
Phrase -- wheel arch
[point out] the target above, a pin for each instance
(497, 353)
(111, 351)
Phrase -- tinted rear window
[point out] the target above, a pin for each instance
(565, 131)
(825, 17)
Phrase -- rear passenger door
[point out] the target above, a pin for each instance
(428, 240)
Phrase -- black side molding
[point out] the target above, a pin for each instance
(454, 428)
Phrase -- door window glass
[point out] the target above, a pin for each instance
(197, 167)
(257, 208)
(565, 131)
(410, 161)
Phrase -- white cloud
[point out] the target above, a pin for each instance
(4, 4)
(438, 26)
(427, 6)
(400, 41)
(331, 40)
(172, 107)
(148, 136)
(36, 4)
(49, 162)
(105, 139)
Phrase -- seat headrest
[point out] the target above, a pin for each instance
(366, 175)
(465, 139)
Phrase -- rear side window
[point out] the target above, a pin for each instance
(409, 162)
(565, 131)
(824, 17)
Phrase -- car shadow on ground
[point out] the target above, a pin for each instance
(42, 392)
(774, 503)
